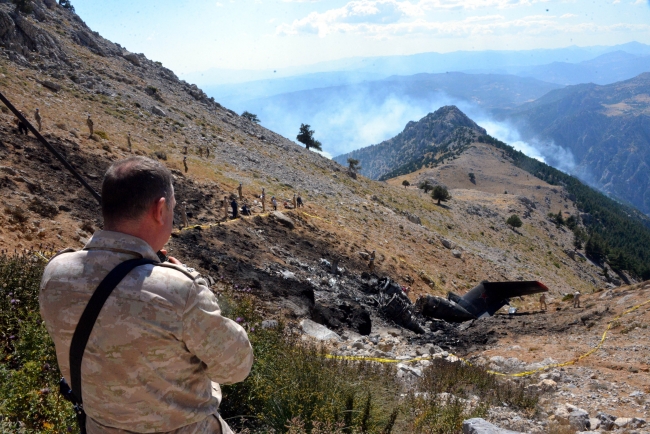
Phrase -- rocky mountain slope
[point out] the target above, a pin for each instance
(606, 128)
(52, 61)
(427, 135)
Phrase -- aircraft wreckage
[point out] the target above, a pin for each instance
(483, 300)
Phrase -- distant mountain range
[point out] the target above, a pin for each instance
(606, 128)
(348, 117)
(605, 69)
(487, 61)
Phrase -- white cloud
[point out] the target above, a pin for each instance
(385, 18)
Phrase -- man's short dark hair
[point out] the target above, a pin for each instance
(131, 186)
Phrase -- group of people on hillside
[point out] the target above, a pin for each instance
(246, 210)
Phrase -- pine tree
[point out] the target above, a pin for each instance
(306, 137)
(66, 4)
(514, 221)
(440, 193)
(251, 117)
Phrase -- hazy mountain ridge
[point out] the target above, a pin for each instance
(607, 129)
(348, 117)
(416, 140)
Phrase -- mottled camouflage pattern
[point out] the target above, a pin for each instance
(158, 344)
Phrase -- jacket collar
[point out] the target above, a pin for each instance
(120, 242)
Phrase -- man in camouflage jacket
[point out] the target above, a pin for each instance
(160, 346)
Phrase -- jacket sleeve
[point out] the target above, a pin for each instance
(217, 341)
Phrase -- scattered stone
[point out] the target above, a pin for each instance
(457, 254)
(8, 170)
(445, 242)
(283, 219)
(547, 385)
(318, 331)
(364, 255)
(574, 416)
(55, 87)
(481, 426)
(594, 423)
(269, 324)
(158, 111)
(132, 57)
(358, 345)
(606, 421)
(288, 275)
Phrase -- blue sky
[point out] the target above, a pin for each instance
(194, 35)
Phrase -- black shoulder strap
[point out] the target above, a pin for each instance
(89, 316)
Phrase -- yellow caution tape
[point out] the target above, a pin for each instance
(518, 374)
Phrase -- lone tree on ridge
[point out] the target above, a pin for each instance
(353, 165)
(440, 193)
(306, 137)
(251, 117)
(405, 183)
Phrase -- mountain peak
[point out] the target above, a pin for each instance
(435, 130)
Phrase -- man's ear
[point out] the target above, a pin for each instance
(158, 209)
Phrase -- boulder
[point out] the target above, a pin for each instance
(283, 219)
(457, 254)
(482, 426)
(132, 57)
(318, 331)
(629, 422)
(445, 242)
(413, 218)
(606, 421)
(55, 87)
(364, 255)
(158, 111)
(574, 416)
(547, 385)
(594, 423)
(8, 170)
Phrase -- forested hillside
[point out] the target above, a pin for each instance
(606, 128)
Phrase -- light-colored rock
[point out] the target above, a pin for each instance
(547, 385)
(269, 324)
(445, 242)
(629, 422)
(318, 331)
(158, 111)
(594, 423)
(364, 255)
(132, 57)
(283, 219)
(574, 416)
(406, 368)
(482, 426)
(358, 345)
(288, 275)
(457, 254)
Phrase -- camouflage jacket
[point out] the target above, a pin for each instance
(159, 346)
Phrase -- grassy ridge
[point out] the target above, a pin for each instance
(292, 388)
(624, 230)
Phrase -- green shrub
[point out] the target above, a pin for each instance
(29, 374)
(291, 380)
(514, 221)
(102, 134)
(445, 396)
